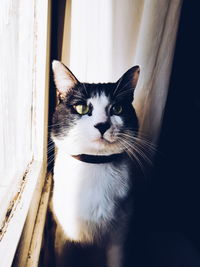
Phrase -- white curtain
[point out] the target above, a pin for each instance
(102, 39)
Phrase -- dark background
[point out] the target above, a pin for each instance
(166, 231)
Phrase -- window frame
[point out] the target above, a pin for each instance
(23, 207)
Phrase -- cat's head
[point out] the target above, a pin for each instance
(95, 119)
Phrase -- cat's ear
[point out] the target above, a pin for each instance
(63, 77)
(128, 81)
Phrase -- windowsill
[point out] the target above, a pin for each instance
(10, 189)
(16, 217)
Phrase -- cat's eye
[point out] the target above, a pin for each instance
(81, 109)
(116, 109)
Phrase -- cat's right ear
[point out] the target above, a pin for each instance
(64, 78)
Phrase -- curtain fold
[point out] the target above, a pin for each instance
(154, 52)
(102, 39)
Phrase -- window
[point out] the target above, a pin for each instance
(24, 40)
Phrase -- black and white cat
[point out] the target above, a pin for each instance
(94, 130)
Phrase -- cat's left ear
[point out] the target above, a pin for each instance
(129, 80)
(63, 77)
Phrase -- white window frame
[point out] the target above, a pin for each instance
(22, 209)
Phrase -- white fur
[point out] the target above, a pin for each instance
(99, 112)
(86, 193)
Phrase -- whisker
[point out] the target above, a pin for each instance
(56, 125)
(144, 141)
(51, 159)
(50, 150)
(142, 154)
(145, 150)
(50, 164)
(140, 141)
(136, 132)
(127, 150)
(130, 145)
(50, 144)
(138, 148)
(133, 156)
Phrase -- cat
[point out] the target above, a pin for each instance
(94, 128)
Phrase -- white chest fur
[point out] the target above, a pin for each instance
(85, 195)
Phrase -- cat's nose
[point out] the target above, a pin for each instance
(102, 127)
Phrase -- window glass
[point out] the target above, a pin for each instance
(16, 91)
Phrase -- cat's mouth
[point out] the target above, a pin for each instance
(103, 141)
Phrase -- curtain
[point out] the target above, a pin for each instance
(102, 39)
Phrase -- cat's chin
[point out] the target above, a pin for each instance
(102, 141)
(93, 147)
(103, 146)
